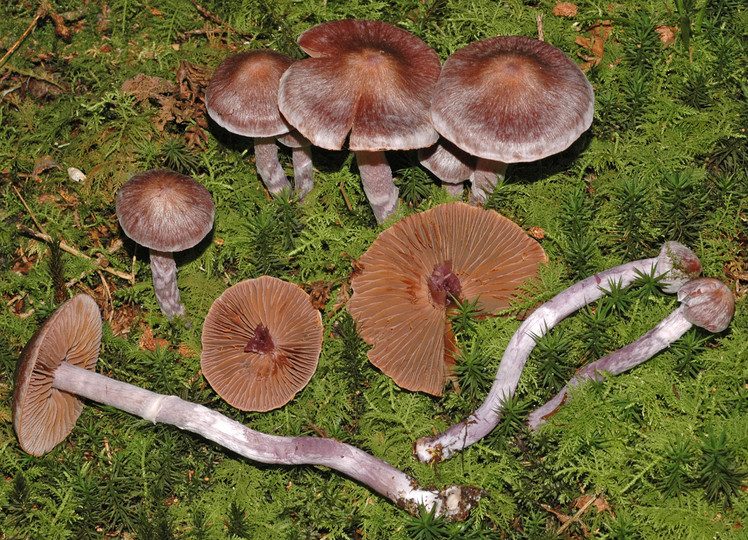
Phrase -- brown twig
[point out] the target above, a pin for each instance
(26, 206)
(40, 13)
(539, 21)
(73, 251)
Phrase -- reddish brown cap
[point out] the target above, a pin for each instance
(709, 303)
(402, 293)
(367, 78)
(43, 416)
(448, 162)
(512, 99)
(242, 96)
(164, 210)
(261, 342)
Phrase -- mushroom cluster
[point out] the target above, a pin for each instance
(377, 87)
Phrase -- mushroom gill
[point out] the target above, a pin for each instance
(414, 271)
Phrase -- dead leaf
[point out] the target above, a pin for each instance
(145, 87)
(602, 506)
(319, 292)
(538, 233)
(600, 32)
(565, 9)
(148, 343)
(42, 164)
(667, 35)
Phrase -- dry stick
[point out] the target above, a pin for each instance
(453, 501)
(676, 263)
(73, 251)
(705, 302)
(44, 237)
(40, 13)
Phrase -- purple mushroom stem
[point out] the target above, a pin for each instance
(376, 177)
(484, 178)
(705, 302)
(164, 271)
(268, 165)
(453, 501)
(675, 262)
(303, 172)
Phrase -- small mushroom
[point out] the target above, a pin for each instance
(414, 271)
(166, 212)
(55, 371)
(676, 264)
(371, 82)
(261, 342)
(705, 302)
(449, 164)
(510, 99)
(242, 97)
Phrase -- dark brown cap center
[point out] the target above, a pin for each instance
(262, 342)
(444, 284)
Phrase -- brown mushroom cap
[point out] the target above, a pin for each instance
(447, 161)
(367, 78)
(164, 210)
(402, 293)
(43, 416)
(709, 303)
(242, 96)
(261, 342)
(512, 99)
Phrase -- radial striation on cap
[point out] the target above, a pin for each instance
(512, 99)
(708, 302)
(401, 295)
(164, 210)
(261, 342)
(43, 416)
(242, 96)
(367, 78)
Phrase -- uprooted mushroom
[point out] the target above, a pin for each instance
(414, 272)
(676, 264)
(55, 372)
(261, 342)
(704, 302)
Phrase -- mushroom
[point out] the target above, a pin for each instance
(368, 81)
(676, 264)
(261, 342)
(414, 271)
(510, 99)
(55, 372)
(449, 164)
(242, 98)
(705, 302)
(166, 212)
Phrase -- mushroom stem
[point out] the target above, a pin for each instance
(702, 292)
(376, 177)
(164, 271)
(484, 179)
(454, 190)
(676, 262)
(303, 173)
(453, 502)
(268, 165)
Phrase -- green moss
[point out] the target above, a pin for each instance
(665, 159)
